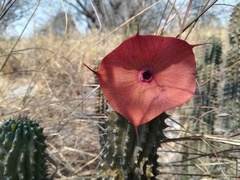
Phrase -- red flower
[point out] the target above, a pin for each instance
(147, 75)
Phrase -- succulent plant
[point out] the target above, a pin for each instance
(126, 156)
(100, 109)
(204, 103)
(232, 86)
(208, 95)
(141, 79)
(22, 150)
(208, 67)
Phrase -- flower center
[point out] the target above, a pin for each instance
(145, 75)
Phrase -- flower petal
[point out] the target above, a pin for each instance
(173, 83)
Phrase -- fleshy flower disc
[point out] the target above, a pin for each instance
(147, 75)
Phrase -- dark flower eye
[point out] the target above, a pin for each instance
(146, 75)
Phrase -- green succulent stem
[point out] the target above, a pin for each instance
(125, 157)
(22, 150)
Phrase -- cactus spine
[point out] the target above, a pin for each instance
(22, 150)
(125, 158)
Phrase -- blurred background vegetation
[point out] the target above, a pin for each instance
(43, 45)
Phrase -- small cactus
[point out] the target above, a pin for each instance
(127, 157)
(22, 150)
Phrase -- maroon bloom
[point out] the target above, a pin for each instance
(147, 75)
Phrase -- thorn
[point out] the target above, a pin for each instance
(202, 44)
(95, 72)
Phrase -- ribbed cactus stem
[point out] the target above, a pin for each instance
(123, 156)
(22, 150)
(206, 69)
(232, 85)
